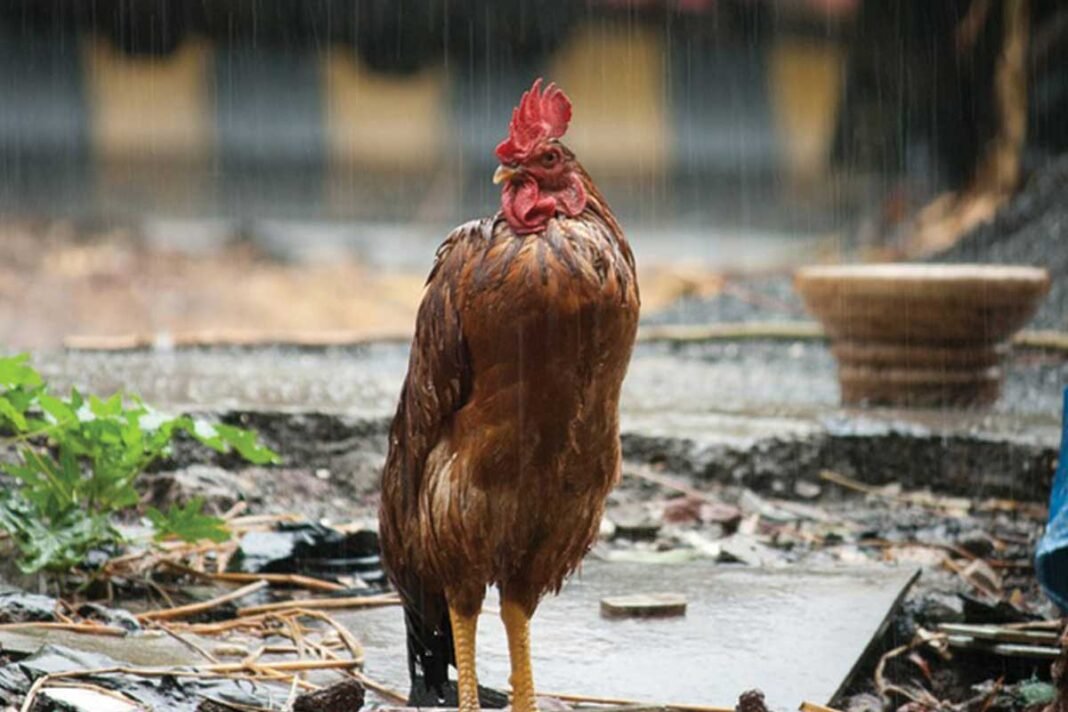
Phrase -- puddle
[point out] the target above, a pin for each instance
(794, 635)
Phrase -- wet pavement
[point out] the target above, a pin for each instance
(758, 379)
(795, 635)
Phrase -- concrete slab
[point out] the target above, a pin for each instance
(795, 635)
(149, 649)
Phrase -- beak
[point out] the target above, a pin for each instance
(504, 173)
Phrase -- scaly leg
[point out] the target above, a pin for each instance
(463, 640)
(517, 625)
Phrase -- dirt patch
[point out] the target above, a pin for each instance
(59, 280)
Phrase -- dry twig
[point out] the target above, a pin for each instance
(387, 599)
(194, 608)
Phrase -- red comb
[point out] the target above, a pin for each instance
(540, 115)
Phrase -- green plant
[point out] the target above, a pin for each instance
(188, 523)
(77, 461)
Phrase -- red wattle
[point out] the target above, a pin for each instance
(528, 210)
(525, 209)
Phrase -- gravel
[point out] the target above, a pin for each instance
(1031, 230)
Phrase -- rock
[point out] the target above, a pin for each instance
(114, 617)
(726, 515)
(19, 607)
(806, 489)
(682, 510)
(865, 702)
(701, 543)
(745, 549)
(935, 607)
(644, 605)
(635, 523)
(607, 529)
(75, 699)
(219, 488)
(751, 701)
(344, 696)
(750, 501)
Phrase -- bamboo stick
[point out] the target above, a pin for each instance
(594, 699)
(322, 604)
(297, 580)
(194, 608)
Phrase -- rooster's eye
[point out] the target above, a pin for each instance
(549, 158)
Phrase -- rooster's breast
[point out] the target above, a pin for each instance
(550, 322)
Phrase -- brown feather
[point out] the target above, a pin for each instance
(506, 438)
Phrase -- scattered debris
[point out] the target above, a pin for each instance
(1059, 673)
(1002, 640)
(313, 550)
(175, 690)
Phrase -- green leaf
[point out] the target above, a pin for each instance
(70, 485)
(60, 411)
(188, 523)
(12, 414)
(247, 444)
(15, 372)
(110, 408)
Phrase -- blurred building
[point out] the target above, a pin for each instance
(388, 110)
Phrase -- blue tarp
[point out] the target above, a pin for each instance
(1051, 558)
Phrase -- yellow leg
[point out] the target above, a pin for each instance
(463, 640)
(517, 625)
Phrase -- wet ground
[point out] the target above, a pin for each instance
(742, 629)
(725, 497)
(761, 412)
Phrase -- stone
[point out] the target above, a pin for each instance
(806, 489)
(635, 523)
(74, 699)
(19, 607)
(344, 696)
(935, 607)
(644, 605)
(746, 549)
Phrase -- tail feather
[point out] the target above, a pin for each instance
(430, 653)
(430, 650)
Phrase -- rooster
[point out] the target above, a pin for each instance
(505, 442)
